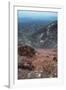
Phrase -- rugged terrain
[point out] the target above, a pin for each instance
(37, 51)
(41, 63)
(44, 37)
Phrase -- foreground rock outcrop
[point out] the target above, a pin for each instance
(26, 51)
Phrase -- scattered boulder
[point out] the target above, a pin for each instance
(55, 59)
(34, 74)
(22, 74)
(25, 66)
(25, 63)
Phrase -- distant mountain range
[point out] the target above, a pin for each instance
(41, 36)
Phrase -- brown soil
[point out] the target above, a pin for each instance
(40, 64)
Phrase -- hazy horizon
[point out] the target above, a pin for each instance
(35, 15)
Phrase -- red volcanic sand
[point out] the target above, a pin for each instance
(42, 65)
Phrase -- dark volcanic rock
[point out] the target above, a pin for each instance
(25, 63)
(55, 59)
(26, 51)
